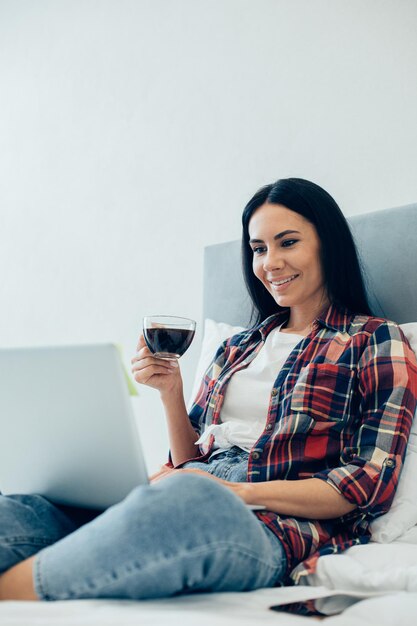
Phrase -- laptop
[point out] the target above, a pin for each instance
(67, 426)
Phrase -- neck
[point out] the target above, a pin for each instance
(301, 321)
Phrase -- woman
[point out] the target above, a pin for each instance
(307, 414)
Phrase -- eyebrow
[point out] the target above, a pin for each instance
(279, 236)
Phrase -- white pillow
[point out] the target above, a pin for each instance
(403, 513)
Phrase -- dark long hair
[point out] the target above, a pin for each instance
(343, 276)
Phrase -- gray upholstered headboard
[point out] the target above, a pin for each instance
(387, 244)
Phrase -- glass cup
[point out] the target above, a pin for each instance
(167, 336)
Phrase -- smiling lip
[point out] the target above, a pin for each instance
(278, 285)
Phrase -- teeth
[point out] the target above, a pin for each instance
(287, 280)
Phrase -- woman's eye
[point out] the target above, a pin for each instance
(289, 242)
(258, 250)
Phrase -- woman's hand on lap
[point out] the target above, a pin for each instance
(166, 471)
(239, 489)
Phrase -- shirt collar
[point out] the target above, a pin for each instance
(335, 317)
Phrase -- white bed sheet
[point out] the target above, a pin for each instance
(373, 583)
(226, 609)
(217, 609)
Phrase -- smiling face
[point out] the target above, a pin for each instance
(286, 248)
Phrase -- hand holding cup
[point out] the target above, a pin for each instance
(163, 341)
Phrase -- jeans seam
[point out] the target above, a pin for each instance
(148, 567)
(38, 584)
(36, 541)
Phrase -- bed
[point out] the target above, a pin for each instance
(374, 583)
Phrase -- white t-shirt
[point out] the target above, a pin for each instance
(246, 402)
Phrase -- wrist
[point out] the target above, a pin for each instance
(250, 493)
(245, 491)
(173, 395)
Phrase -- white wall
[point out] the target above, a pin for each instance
(132, 133)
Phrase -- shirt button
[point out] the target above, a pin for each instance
(274, 392)
(268, 426)
(389, 463)
(255, 456)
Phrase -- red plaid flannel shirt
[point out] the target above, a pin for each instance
(340, 410)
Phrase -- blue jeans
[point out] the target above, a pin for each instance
(186, 533)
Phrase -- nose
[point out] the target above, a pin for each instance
(272, 261)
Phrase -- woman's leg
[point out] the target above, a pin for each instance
(28, 523)
(183, 534)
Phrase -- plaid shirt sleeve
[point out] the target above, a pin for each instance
(199, 406)
(372, 459)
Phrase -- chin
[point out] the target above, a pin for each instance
(283, 301)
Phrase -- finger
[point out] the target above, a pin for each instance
(145, 352)
(152, 361)
(141, 342)
(143, 376)
(156, 475)
(163, 474)
(164, 469)
(142, 352)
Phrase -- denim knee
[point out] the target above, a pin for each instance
(28, 523)
(192, 492)
(185, 501)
